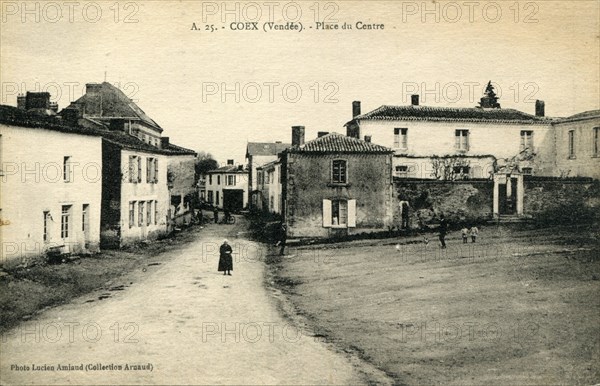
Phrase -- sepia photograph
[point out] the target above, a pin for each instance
(305, 192)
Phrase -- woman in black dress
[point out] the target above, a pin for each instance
(225, 261)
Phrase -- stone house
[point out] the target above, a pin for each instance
(578, 145)
(335, 185)
(269, 195)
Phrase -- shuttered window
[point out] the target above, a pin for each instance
(339, 213)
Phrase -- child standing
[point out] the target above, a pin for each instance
(474, 234)
(465, 234)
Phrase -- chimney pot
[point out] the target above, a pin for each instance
(540, 108)
(367, 138)
(297, 135)
(229, 162)
(355, 109)
(414, 99)
(164, 142)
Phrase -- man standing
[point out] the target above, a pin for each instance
(216, 214)
(443, 231)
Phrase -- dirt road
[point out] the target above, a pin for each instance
(177, 322)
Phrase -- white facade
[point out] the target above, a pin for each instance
(578, 148)
(415, 141)
(219, 182)
(144, 202)
(50, 192)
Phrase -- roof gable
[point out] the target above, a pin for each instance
(265, 148)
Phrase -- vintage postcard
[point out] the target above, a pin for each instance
(299, 192)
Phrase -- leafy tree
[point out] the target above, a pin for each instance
(204, 163)
(489, 99)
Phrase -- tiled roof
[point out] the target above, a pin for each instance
(451, 114)
(179, 150)
(581, 116)
(338, 143)
(265, 148)
(13, 116)
(112, 103)
(228, 169)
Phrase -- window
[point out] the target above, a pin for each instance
(259, 177)
(135, 169)
(596, 142)
(217, 199)
(339, 213)
(339, 172)
(85, 217)
(151, 170)
(141, 213)
(461, 140)
(231, 180)
(67, 172)
(218, 180)
(149, 213)
(65, 221)
(271, 203)
(461, 170)
(527, 171)
(131, 214)
(402, 170)
(210, 179)
(46, 226)
(401, 138)
(526, 140)
(210, 196)
(571, 143)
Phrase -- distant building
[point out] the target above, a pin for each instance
(335, 185)
(51, 186)
(269, 195)
(227, 187)
(578, 145)
(451, 143)
(258, 154)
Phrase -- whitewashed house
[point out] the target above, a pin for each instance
(51, 186)
(227, 187)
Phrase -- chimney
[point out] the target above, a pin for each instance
(164, 142)
(54, 106)
(37, 100)
(322, 133)
(229, 162)
(21, 102)
(540, 108)
(355, 109)
(92, 88)
(414, 99)
(367, 138)
(297, 135)
(240, 167)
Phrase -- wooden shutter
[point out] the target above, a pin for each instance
(155, 170)
(327, 213)
(351, 213)
(139, 169)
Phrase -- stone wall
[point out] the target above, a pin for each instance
(461, 202)
(561, 200)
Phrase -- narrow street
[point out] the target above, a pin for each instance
(181, 322)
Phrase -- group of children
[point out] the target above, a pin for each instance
(473, 232)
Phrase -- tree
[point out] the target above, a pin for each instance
(489, 99)
(204, 163)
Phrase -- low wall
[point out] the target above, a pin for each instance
(461, 202)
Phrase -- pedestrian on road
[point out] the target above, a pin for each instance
(225, 259)
(282, 238)
(216, 214)
(443, 230)
(474, 234)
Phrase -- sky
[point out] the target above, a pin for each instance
(214, 87)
